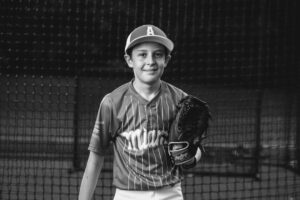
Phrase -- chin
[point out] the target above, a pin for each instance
(151, 80)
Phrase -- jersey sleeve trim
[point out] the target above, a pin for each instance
(102, 132)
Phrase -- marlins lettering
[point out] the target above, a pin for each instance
(141, 139)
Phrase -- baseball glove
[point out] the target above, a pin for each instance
(188, 130)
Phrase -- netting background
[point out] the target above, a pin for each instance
(59, 58)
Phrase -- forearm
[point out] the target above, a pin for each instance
(88, 185)
(90, 176)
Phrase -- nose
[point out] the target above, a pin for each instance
(150, 60)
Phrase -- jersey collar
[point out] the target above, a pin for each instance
(141, 99)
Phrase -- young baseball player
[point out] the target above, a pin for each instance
(135, 118)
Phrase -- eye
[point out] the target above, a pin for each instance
(144, 55)
(159, 54)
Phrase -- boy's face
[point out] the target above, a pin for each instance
(148, 61)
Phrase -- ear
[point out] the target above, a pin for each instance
(168, 58)
(128, 60)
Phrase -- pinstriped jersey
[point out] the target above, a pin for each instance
(139, 132)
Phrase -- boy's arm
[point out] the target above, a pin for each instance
(90, 177)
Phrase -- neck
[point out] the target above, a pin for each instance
(147, 91)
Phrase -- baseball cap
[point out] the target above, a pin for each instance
(148, 33)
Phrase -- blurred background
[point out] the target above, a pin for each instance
(58, 58)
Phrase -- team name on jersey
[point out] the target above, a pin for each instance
(141, 139)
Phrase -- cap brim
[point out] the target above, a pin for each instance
(155, 38)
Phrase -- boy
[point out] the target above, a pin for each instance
(136, 118)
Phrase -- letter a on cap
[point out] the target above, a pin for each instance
(150, 30)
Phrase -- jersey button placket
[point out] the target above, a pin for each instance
(152, 116)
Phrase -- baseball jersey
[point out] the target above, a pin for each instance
(139, 132)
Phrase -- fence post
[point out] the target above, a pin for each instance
(288, 104)
(76, 163)
(298, 131)
(258, 132)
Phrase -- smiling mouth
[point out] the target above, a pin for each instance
(150, 70)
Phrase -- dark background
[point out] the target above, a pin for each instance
(248, 43)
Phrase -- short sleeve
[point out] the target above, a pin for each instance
(102, 132)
